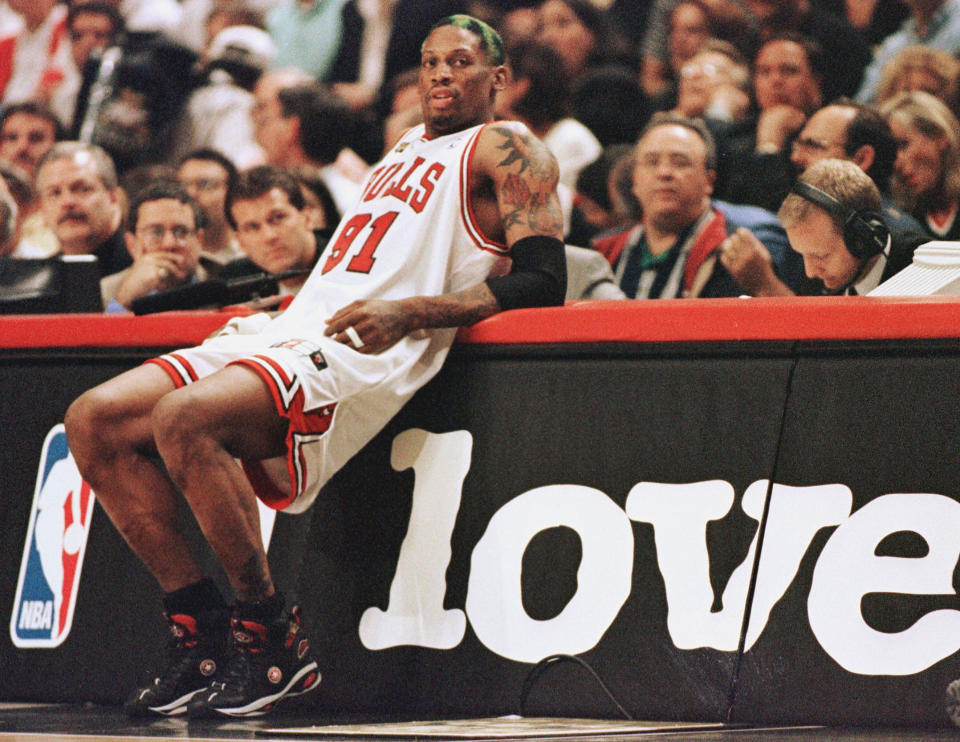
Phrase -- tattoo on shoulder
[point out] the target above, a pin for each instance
(528, 193)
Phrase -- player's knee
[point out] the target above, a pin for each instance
(84, 418)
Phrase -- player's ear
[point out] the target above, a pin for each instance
(500, 77)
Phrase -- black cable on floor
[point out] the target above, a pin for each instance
(547, 662)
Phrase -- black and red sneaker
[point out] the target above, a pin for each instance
(197, 650)
(266, 664)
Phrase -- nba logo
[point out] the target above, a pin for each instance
(53, 553)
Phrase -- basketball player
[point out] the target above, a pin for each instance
(294, 397)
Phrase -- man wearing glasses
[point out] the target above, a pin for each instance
(847, 130)
(164, 240)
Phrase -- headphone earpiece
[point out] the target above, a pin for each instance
(864, 232)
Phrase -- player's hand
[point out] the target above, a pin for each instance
(748, 261)
(370, 326)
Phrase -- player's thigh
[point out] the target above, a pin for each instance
(232, 406)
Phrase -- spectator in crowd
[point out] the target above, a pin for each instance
(207, 176)
(729, 20)
(926, 174)
(832, 219)
(874, 19)
(402, 92)
(130, 103)
(380, 40)
(518, 23)
(787, 79)
(21, 190)
(360, 68)
(580, 32)
(267, 209)
(595, 205)
(305, 124)
(789, 71)
(164, 238)
(81, 203)
(846, 49)
(224, 14)
(922, 68)
(307, 34)
(848, 130)
(932, 23)
(27, 131)
(671, 251)
(219, 113)
(35, 57)
(843, 130)
(404, 109)
(92, 27)
(691, 24)
(624, 200)
(538, 94)
(714, 83)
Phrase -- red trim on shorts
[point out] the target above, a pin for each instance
(179, 380)
(256, 363)
(301, 423)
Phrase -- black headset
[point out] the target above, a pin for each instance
(864, 232)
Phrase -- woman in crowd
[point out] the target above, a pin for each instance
(926, 175)
(581, 33)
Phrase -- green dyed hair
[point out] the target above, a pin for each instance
(490, 40)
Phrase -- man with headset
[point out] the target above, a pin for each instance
(832, 218)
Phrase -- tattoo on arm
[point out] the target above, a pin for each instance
(453, 310)
(528, 190)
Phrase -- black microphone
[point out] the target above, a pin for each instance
(214, 292)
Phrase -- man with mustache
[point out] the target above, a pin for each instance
(80, 201)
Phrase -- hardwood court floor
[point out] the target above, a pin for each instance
(73, 723)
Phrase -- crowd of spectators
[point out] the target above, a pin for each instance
(181, 140)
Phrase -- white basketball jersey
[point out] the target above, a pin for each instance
(410, 234)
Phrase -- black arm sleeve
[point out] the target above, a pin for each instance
(538, 277)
